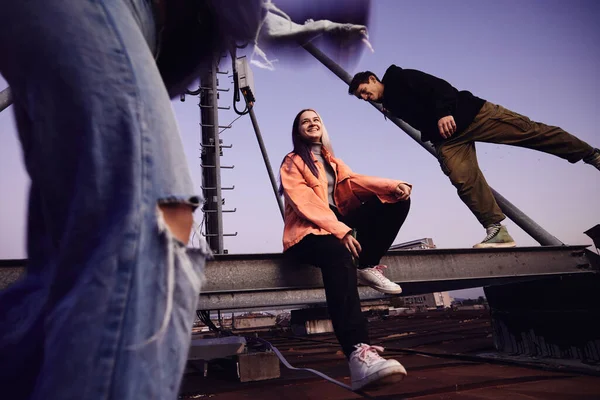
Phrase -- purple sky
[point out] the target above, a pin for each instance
(540, 58)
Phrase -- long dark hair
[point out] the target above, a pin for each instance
(303, 148)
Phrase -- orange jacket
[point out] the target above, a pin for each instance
(306, 200)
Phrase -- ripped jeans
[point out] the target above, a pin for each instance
(106, 307)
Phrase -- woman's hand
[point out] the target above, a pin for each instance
(402, 191)
(351, 244)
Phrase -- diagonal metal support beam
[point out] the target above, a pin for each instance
(542, 236)
(10, 271)
(5, 99)
(265, 156)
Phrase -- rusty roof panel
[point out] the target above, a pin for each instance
(448, 355)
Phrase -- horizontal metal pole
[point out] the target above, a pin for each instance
(262, 280)
(218, 90)
(302, 297)
(276, 298)
(5, 99)
(234, 273)
(214, 188)
(216, 234)
(254, 272)
(223, 146)
(214, 166)
(212, 126)
(542, 236)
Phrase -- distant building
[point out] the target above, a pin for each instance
(429, 300)
(425, 243)
(443, 300)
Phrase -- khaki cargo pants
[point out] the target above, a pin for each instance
(496, 124)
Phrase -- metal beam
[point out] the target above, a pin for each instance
(268, 272)
(263, 280)
(291, 298)
(5, 98)
(542, 236)
(254, 272)
(263, 151)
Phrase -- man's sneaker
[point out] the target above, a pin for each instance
(497, 237)
(369, 369)
(593, 159)
(374, 278)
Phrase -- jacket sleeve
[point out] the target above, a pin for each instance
(364, 185)
(383, 188)
(305, 201)
(438, 92)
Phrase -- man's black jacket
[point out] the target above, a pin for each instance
(421, 100)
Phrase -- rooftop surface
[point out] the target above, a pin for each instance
(448, 355)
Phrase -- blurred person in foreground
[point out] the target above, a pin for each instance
(106, 307)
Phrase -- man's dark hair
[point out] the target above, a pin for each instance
(360, 78)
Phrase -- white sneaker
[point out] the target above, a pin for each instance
(368, 368)
(374, 278)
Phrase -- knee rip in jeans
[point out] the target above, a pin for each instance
(178, 217)
(177, 256)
